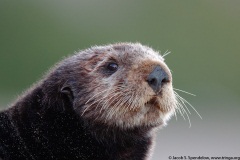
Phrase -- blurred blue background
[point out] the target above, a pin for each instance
(203, 37)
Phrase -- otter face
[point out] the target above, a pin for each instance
(128, 85)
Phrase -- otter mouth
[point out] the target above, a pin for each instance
(153, 102)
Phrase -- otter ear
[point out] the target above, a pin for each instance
(67, 91)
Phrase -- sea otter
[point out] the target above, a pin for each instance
(102, 103)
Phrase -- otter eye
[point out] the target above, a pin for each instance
(112, 67)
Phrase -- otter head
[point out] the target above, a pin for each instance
(124, 85)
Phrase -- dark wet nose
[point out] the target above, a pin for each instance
(157, 78)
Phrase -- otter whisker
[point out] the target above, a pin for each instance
(94, 102)
(104, 105)
(130, 99)
(190, 106)
(184, 91)
(166, 53)
(115, 105)
(184, 111)
(179, 107)
(100, 99)
(114, 93)
(188, 118)
(180, 111)
(95, 96)
(184, 105)
(130, 102)
(133, 102)
(115, 96)
(175, 114)
(111, 112)
(125, 100)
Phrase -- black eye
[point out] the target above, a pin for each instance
(112, 67)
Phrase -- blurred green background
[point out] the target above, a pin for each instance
(203, 37)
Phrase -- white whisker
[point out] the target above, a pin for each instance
(184, 91)
(184, 111)
(95, 96)
(192, 107)
(180, 111)
(184, 105)
(175, 114)
(184, 100)
(166, 53)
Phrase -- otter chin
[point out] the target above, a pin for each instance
(101, 103)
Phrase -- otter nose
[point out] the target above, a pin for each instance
(157, 78)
